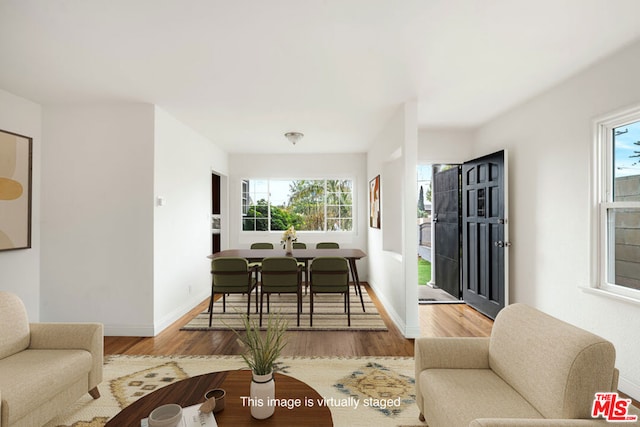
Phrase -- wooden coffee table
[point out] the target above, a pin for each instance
(236, 384)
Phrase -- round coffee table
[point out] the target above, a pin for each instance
(236, 413)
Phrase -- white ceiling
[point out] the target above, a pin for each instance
(244, 72)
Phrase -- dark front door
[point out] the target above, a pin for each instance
(215, 212)
(484, 233)
(446, 219)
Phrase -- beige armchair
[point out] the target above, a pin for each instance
(534, 370)
(44, 367)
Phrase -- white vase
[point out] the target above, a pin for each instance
(288, 246)
(262, 393)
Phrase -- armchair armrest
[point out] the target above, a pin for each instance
(72, 336)
(448, 353)
(451, 353)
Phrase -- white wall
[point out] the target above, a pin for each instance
(393, 248)
(550, 141)
(97, 216)
(20, 269)
(182, 226)
(445, 146)
(110, 253)
(300, 166)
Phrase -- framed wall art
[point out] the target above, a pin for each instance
(374, 202)
(15, 191)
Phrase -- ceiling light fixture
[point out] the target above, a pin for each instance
(294, 137)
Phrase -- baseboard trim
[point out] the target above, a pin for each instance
(149, 330)
(393, 315)
(176, 314)
(412, 333)
(129, 330)
(629, 388)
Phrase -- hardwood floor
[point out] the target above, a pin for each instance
(435, 320)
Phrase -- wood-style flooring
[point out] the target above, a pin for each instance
(436, 320)
(458, 320)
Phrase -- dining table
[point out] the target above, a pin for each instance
(304, 255)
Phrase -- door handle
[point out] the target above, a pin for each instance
(501, 244)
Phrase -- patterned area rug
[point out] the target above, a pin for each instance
(366, 383)
(328, 313)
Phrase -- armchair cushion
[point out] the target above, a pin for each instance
(72, 336)
(449, 353)
(475, 390)
(30, 378)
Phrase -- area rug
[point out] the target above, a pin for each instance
(356, 380)
(328, 313)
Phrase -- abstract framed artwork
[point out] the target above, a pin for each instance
(374, 202)
(15, 191)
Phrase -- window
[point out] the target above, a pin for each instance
(618, 203)
(308, 205)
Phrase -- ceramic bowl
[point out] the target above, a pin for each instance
(166, 416)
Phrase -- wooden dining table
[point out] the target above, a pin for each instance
(305, 255)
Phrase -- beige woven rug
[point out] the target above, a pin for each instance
(364, 379)
(328, 313)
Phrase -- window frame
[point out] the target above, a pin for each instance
(325, 205)
(602, 194)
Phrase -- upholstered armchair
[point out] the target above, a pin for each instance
(44, 367)
(534, 370)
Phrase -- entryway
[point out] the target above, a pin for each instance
(467, 249)
(428, 260)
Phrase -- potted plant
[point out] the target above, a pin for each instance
(262, 349)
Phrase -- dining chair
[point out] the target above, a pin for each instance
(304, 264)
(330, 275)
(281, 275)
(262, 245)
(231, 275)
(258, 264)
(333, 245)
(327, 245)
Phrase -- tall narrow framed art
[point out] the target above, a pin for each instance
(15, 191)
(374, 202)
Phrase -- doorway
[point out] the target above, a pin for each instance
(432, 220)
(469, 243)
(216, 213)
